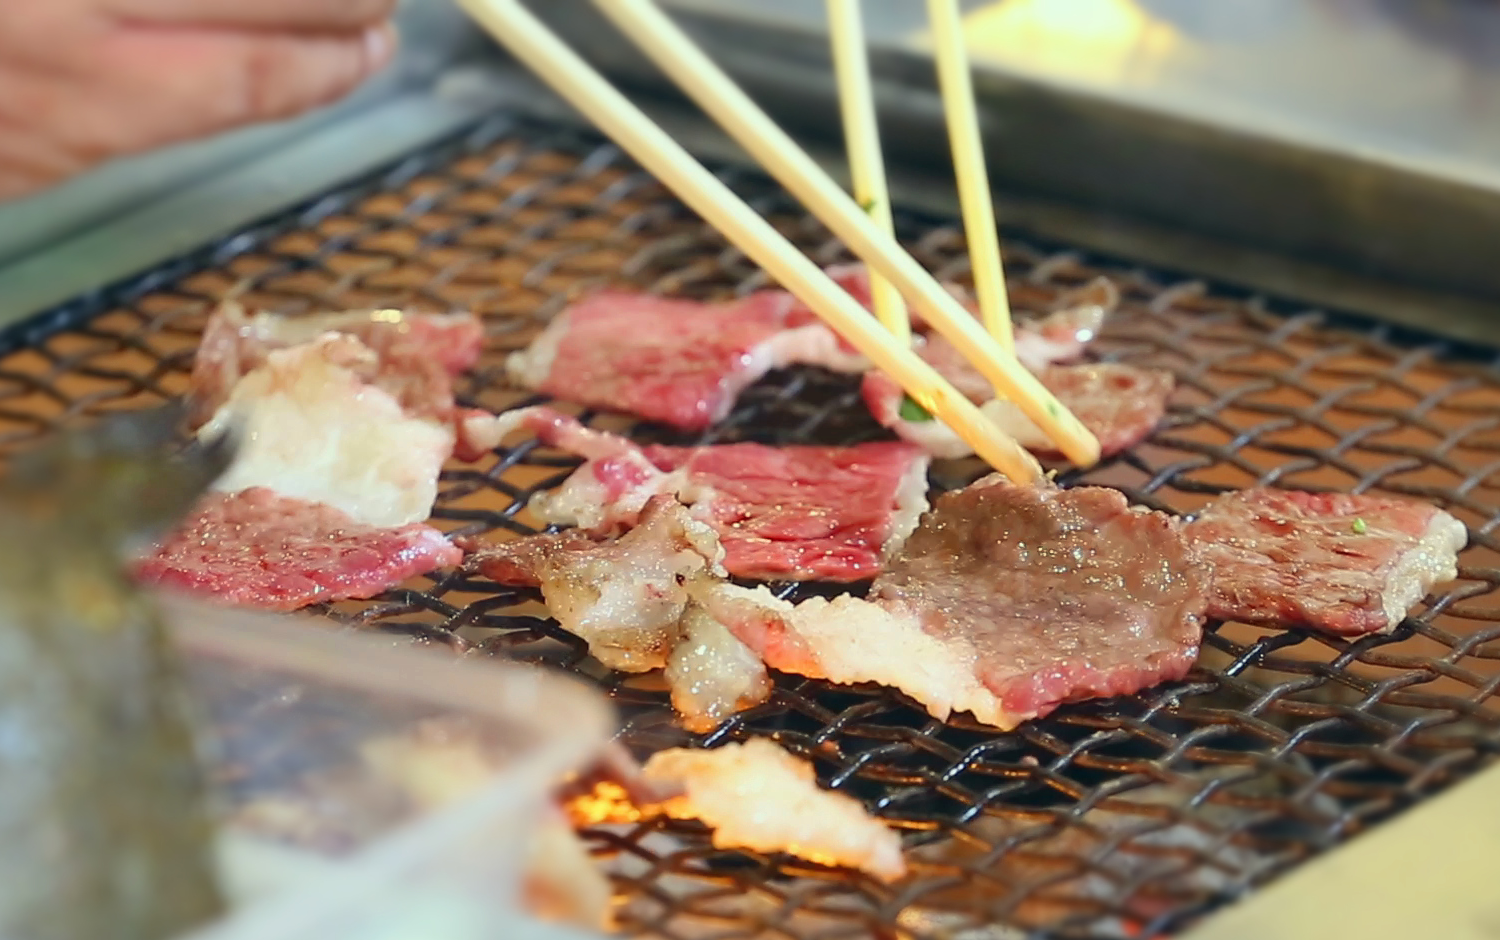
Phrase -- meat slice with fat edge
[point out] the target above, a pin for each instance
(1347, 564)
(679, 362)
(1006, 602)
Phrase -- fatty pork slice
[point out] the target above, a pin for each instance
(756, 796)
(679, 362)
(258, 549)
(795, 513)
(1344, 564)
(637, 601)
(416, 354)
(310, 427)
(1006, 602)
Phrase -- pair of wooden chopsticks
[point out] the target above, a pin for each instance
(867, 166)
(530, 41)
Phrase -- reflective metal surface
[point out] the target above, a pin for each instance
(1360, 135)
(1404, 82)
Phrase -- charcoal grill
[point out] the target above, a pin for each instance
(1132, 817)
(1128, 818)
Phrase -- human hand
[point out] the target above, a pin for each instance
(82, 81)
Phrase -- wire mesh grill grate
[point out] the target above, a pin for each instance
(1124, 818)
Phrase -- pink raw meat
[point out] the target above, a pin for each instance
(802, 513)
(1342, 563)
(257, 549)
(675, 361)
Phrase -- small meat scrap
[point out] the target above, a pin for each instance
(637, 601)
(756, 796)
(1345, 564)
(678, 362)
(1120, 404)
(1006, 602)
(608, 492)
(312, 428)
(256, 548)
(417, 354)
(795, 513)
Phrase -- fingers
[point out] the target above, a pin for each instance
(337, 16)
(239, 78)
(77, 88)
(169, 85)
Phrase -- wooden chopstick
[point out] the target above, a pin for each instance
(703, 81)
(534, 44)
(974, 198)
(851, 66)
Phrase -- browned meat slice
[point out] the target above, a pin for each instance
(638, 603)
(757, 796)
(258, 549)
(1006, 602)
(1345, 564)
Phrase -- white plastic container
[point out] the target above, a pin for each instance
(321, 840)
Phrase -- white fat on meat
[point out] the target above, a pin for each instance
(529, 367)
(757, 796)
(811, 345)
(609, 492)
(911, 503)
(711, 673)
(1433, 560)
(311, 428)
(851, 641)
(1075, 321)
(1059, 337)
(640, 602)
(1008, 417)
(628, 598)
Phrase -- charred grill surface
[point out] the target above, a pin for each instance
(1130, 817)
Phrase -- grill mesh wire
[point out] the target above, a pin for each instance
(1125, 818)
